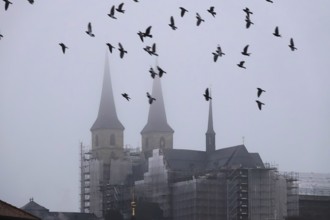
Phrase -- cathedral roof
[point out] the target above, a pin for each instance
(107, 116)
(191, 160)
(157, 121)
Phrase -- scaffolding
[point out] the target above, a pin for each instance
(85, 157)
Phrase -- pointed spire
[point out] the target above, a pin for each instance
(210, 121)
(107, 116)
(210, 134)
(157, 121)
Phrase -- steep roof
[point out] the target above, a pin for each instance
(188, 160)
(10, 211)
(107, 116)
(33, 206)
(157, 121)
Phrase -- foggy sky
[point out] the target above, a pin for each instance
(49, 100)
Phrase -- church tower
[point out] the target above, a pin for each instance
(210, 134)
(157, 134)
(107, 130)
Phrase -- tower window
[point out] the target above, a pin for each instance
(112, 139)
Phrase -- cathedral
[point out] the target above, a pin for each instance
(228, 183)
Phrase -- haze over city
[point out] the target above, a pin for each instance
(49, 100)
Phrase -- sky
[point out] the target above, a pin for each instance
(49, 100)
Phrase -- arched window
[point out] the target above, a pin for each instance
(112, 139)
(96, 141)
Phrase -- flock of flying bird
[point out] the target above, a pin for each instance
(151, 50)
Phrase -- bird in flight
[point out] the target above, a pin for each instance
(89, 30)
(150, 98)
(207, 94)
(248, 21)
(31, 1)
(276, 32)
(125, 95)
(120, 8)
(245, 51)
(269, 1)
(7, 3)
(260, 104)
(172, 23)
(199, 19)
(211, 10)
(183, 11)
(291, 45)
(110, 47)
(151, 50)
(112, 12)
(160, 71)
(217, 53)
(145, 34)
(121, 50)
(241, 65)
(64, 47)
(247, 11)
(260, 91)
(152, 72)
(1, 36)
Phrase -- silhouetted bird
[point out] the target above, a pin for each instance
(31, 1)
(276, 32)
(152, 72)
(160, 71)
(89, 30)
(207, 95)
(151, 50)
(260, 91)
(241, 65)
(245, 51)
(125, 95)
(211, 10)
(259, 104)
(219, 51)
(7, 3)
(247, 11)
(183, 11)
(145, 34)
(1, 36)
(291, 45)
(269, 1)
(248, 22)
(63, 46)
(110, 47)
(150, 98)
(172, 24)
(121, 50)
(112, 12)
(199, 19)
(136, 0)
(120, 8)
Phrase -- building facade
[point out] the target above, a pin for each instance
(229, 183)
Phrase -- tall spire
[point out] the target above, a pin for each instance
(210, 134)
(107, 116)
(157, 121)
